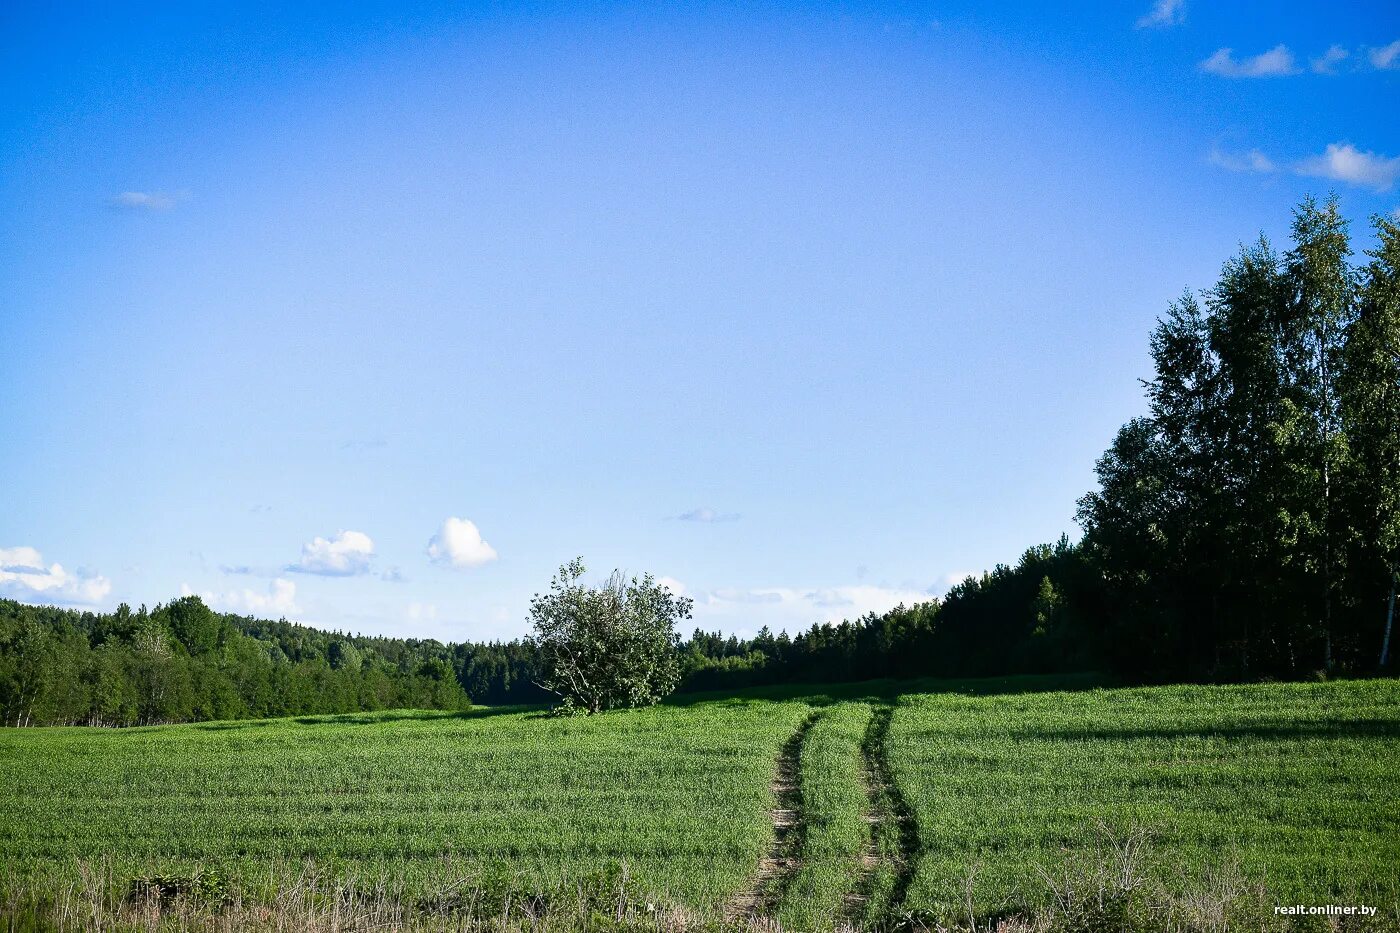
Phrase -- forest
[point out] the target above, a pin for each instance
(1246, 527)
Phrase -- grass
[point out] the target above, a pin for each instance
(834, 826)
(678, 797)
(1022, 801)
(1295, 785)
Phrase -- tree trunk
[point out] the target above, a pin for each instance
(1326, 562)
(1389, 617)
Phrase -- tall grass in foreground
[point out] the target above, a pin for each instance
(1106, 891)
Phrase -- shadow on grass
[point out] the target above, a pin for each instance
(409, 715)
(888, 690)
(814, 694)
(1269, 732)
(366, 718)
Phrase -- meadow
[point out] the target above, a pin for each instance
(1289, 786)
(870, 805)
(518, 799)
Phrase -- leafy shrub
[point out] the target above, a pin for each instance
(205, 886)
(610, 646)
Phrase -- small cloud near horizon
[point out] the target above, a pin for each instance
(1163, 13)
(346, 555)
(25, 577)
(676, 587)
(1344, 162)
(795, 609)
(1276, 62)
(279, 600)
(419, 612)
(1251, 161)
(1327, 62)
(952, 579)
(1338, 162)
(1386, 57)
(459, 543)
(707, 515)
(148, 201)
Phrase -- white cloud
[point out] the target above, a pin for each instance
(420, 612)
(676, 587)
(146, 200)
(953, 578)
(1385, 57)
(1277, 61)
(23, 576)
(345, 555)
(1251, 161)
(458, 543)
(1344, 162)
(1163, 13)
(279, 600)
(1327, 62)
(744, 610)
(703, 514)
(1339, 162)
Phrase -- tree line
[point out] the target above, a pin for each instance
(181, 662)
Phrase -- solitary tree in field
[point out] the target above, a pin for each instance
(609, 646)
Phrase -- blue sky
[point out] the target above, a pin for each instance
(371, 315)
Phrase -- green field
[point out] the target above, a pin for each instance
(993, 791)
(1296, 784)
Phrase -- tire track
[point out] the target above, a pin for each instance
(859, 898)
(890, 855)
(776, 869)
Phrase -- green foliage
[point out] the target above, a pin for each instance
(1370, 394)
(183, 662)
(1005, 621)
(1240, 528)
(194, 624)
(205, 885)
(607, 647)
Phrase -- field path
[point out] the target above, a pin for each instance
(888, 859)
(775, 870)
